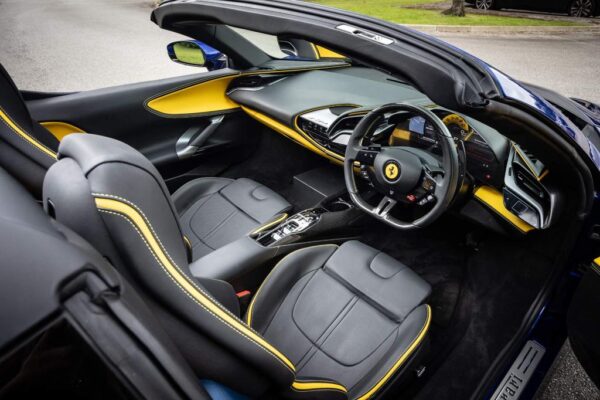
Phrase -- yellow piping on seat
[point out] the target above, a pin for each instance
(413, 346)
(24, 135)
(314, 385)
(132, 215)
(61, 129)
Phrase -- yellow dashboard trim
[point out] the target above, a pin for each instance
(494, 200)
(294, 134)
(324, 52)
(204, 97)
(61, 129)
(210, 96)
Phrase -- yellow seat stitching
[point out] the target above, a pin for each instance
(163, 248)
(38, 145)
(189, 295)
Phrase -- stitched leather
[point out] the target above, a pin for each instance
(217, 211)
(319, 306)
(26, 148)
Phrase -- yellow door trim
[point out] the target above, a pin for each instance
(495, 201)
(201, 98)
(61, 129)
(139, 222)
(26, 136)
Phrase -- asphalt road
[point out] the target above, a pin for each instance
(72, 45)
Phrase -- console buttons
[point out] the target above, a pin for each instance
(428, 184)
(366, 157)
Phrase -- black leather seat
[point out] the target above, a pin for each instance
(214, 211)
(327, 323)
(27, 149)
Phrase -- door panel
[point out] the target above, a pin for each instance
(584, 322)
(135, 114)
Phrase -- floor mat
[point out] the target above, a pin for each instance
(483, 284)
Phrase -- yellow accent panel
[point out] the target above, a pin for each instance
(187, 242)
(318, 386)
(61, 129)
(210, 95)
(597, 261)
(24, 135)
(458, 120)
(324, 52)
(413, 346)
(203, 97)
(270, 224)
(494, 199)
(295, 135)
(398, 136)
(183, 281)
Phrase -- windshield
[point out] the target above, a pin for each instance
(267, 43)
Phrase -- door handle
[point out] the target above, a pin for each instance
(192, 140)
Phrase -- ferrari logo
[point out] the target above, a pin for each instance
(391, 171)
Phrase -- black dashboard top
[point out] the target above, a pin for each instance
(295, 94)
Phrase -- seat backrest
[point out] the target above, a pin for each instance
(115, 198)
(27, 149)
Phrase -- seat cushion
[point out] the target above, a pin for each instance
(350, 314)
(217, 211)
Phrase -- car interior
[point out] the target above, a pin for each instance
(296, 224)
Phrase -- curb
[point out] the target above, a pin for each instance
(592, 30)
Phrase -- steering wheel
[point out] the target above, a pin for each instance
(403, 174)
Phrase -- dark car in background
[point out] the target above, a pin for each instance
(575, 8)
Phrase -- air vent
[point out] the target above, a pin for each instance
(529, 160)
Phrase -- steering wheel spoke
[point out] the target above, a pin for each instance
(384, 207)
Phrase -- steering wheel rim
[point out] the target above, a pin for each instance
(444, 190)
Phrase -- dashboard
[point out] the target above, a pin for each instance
(320, 109)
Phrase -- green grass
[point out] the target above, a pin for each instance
(392, 10)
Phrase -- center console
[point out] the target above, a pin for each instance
(331, 218)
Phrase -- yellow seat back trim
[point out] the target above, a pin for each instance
(495, 200)
(25, 136)
(390, 373)
(61, 129)
(126, 210)
(314, 385)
